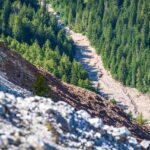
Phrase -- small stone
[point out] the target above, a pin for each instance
(124, 131)
(97, 135)
(106, 127)
(29, 99)
(19, 99)
(2, 110)
(4, 139)
(37, 98)
(118, 138)
(1, 143)
(120, 134)
(2, 95)
(89, 144)
(10, 97)
(96, 122)
(133, 141)
(11, 141)
(145, 144)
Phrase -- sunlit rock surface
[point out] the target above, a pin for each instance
(39, 123)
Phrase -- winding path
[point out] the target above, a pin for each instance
(128, 98)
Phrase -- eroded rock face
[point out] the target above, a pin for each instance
(9, 87)
(37, 122)
(17, 76)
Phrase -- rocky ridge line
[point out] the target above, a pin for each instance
(21, 73)
(39, 123)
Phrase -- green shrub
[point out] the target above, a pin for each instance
(130, 115)
(51, 128)
(39, 86)
(140, 119)
(113, 101)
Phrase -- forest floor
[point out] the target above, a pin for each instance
(128, 98)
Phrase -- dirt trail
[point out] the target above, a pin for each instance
(129, 98)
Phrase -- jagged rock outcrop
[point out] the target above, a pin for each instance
(39, 123)
(21, 73)
(9, 87)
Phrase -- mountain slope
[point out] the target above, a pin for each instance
(21, 73)
(32, 32)
(8, 86)
(40, 123)
(119, 30)
(102, 80)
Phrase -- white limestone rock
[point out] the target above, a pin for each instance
(38, 122)
(2, 110)
(145, 144)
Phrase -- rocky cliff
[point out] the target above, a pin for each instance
(40, 123)
(18, 76)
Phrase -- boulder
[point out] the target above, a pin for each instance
(145, 145)
(2, 110)
(2, 95)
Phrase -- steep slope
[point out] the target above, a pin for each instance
(38, 123)
(106, 85)
(21, 73)
(7, 86)
(119, 31)
(33, 33)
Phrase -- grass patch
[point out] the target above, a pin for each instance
(140, 119)
(51, 128)
(114, 102)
